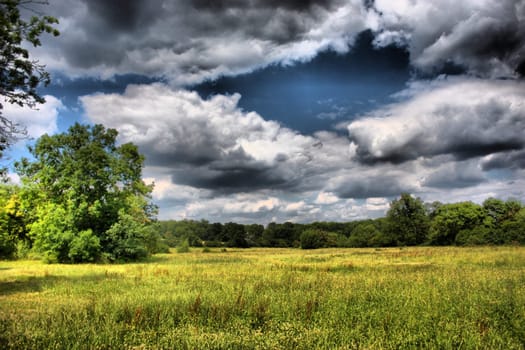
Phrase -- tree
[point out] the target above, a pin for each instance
(313, 239)
(235, 234)
(366, 234)
(408, 221)
(20, 76)
(282, 235)
(90, 198)
(254, 233)
(514, 228)
(457, 223)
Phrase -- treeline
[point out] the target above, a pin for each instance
(409, 221)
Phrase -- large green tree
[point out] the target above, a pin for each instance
(20, 75)
(89, 197)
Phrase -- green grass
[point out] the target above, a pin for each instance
(425, 297)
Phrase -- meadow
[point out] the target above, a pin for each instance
(388, 298)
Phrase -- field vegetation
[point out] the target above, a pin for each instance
(267, 298)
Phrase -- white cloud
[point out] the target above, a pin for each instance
(326, 198)
(375, 204)
(295, 206)
(207, 143)
(168, 120)
(210, 159)
(246, 204)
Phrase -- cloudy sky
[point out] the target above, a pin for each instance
(299, 110)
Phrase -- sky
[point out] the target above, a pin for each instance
(296, 110)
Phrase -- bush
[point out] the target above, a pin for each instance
(85, 247)
(127, 240)
(7, 246)
(52, 237)
(184, 246)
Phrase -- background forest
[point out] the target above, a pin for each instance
(409, 221)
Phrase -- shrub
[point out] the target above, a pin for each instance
(7, 246)
(127, 240)
(184, 246)
(85, 247)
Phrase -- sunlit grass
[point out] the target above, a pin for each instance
(425, 297)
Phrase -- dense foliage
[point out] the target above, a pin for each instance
(408, 222)
(20, 75)
(82, 199)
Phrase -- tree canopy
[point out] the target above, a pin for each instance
(88, 197)
(408, 220)
(20, 75)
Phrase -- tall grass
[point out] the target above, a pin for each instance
(442, 298)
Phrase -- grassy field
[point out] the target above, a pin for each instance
(424, 297)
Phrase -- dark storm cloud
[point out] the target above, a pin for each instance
(455, 175)
(294, 5)
(191, 41)
(231, 172)
(188, 42)
(508, 160)
(124, 15)
(464, 118)
(232, 179)
(372, 186)
(210, 156)
(485, 37)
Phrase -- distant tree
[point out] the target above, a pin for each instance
(214, 235)
(282, 235)
(190, 230)
(407, 220)
(514, 228)
(254, 233)
(369, 234)
(495, 209)
(167, 232)
(20, 75)
(236, 237)
(88, 194)
(313, 239)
